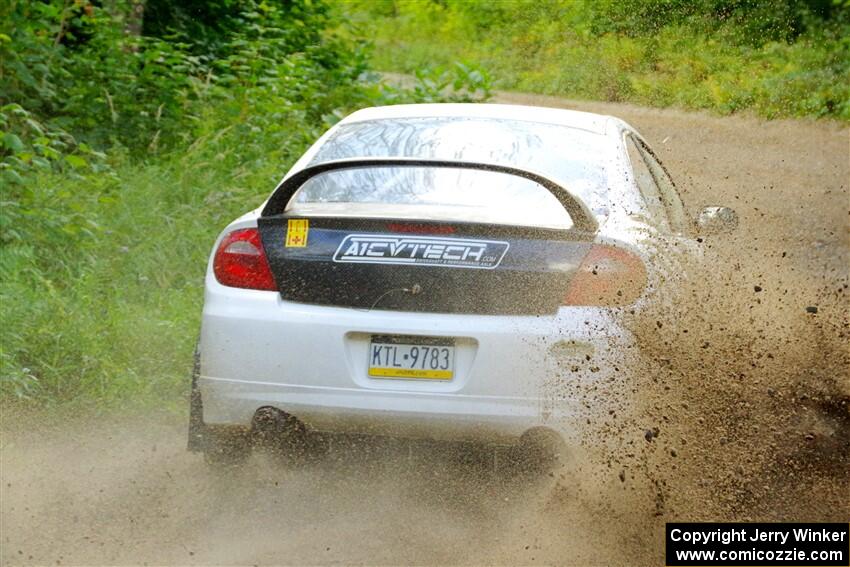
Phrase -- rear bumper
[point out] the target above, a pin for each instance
(512, 373)
(405, 414)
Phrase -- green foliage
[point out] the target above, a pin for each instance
(28, 145)
(123, 154)
(778, 58)
(103, 303)
(739, 22)
(203, 23)
(457, 83)
(78, 69)
(144, 92)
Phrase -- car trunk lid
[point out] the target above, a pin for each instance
(410, 259)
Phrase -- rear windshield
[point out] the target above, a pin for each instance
(574, 158)
(430, 193)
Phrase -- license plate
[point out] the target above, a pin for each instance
(411, 358)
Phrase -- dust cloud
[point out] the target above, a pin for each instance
(740, 413)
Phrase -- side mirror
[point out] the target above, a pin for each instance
(716, 220)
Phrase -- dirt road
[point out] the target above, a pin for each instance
(748, 399)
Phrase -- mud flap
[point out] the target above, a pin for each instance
(197, 428)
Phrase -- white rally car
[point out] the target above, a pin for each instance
(431, 271)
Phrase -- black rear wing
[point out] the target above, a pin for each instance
(583, 219)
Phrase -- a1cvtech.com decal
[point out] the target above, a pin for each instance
(421, 250)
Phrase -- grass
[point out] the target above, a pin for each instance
(105, 307)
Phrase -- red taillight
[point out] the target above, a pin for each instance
(608, 276)
(240, 261)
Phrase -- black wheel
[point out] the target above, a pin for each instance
(540, 451)
(226, 449)
(286, 438)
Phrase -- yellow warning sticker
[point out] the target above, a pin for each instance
(296, 233)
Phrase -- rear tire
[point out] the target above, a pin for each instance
(225, 449)
(540, 451)
(286, 438)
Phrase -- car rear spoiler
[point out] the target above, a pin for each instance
(582, 218)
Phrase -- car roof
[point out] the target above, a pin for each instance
(595, 123)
